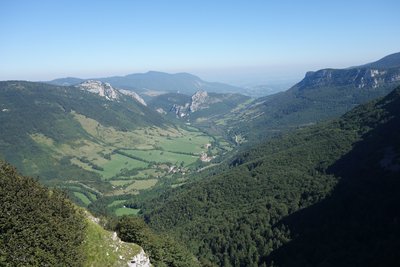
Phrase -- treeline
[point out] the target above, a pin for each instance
(38, 226)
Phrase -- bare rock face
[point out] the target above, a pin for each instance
(102, 89)
(358, 77)
(181, 111)
(140, 260)
(134, 96)
(199, 101)
(107, 91)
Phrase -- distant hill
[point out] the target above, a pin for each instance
(390, 61)
(148, 82)
(68, 81)
(321, 95)
(325, 195)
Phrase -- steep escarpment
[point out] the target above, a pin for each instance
(361, 77)
(321, 95)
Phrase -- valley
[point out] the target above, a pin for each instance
(132, 161)
(99, 144)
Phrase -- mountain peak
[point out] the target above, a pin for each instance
(199, 100)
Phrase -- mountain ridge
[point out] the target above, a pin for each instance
(156, 81)
(389, 61)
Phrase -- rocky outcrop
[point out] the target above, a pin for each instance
(134, 96)
(181, 111)
(357, 77)
(140, 260)
(199, 101)
(102, 89)
(122, 253)
(107, 91)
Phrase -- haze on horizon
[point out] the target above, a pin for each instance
(238, 42)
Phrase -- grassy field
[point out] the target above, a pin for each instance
(118, 163)
(121, 182)
(116, 203)
(141, 184)
(83, 198)
(149, 173)
(126, 211)
(191, 143)
(92, 196)
(134, 187)
(161, 156)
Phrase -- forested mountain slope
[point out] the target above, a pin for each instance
(40, 122)
(302, 199)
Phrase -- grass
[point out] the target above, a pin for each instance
(116, 203)
(142, 184)
(121, 182)
(92, 196)
(118, 163)
(160, 156)
(134, 187)
(103, 249)
(191, 143)
(126, 211)
(83, 198)
(149, 173)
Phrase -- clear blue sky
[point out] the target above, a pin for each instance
(231, 41)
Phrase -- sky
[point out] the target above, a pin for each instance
(238, 42)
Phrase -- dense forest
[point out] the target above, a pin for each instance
(321, 196)
(38, 226)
